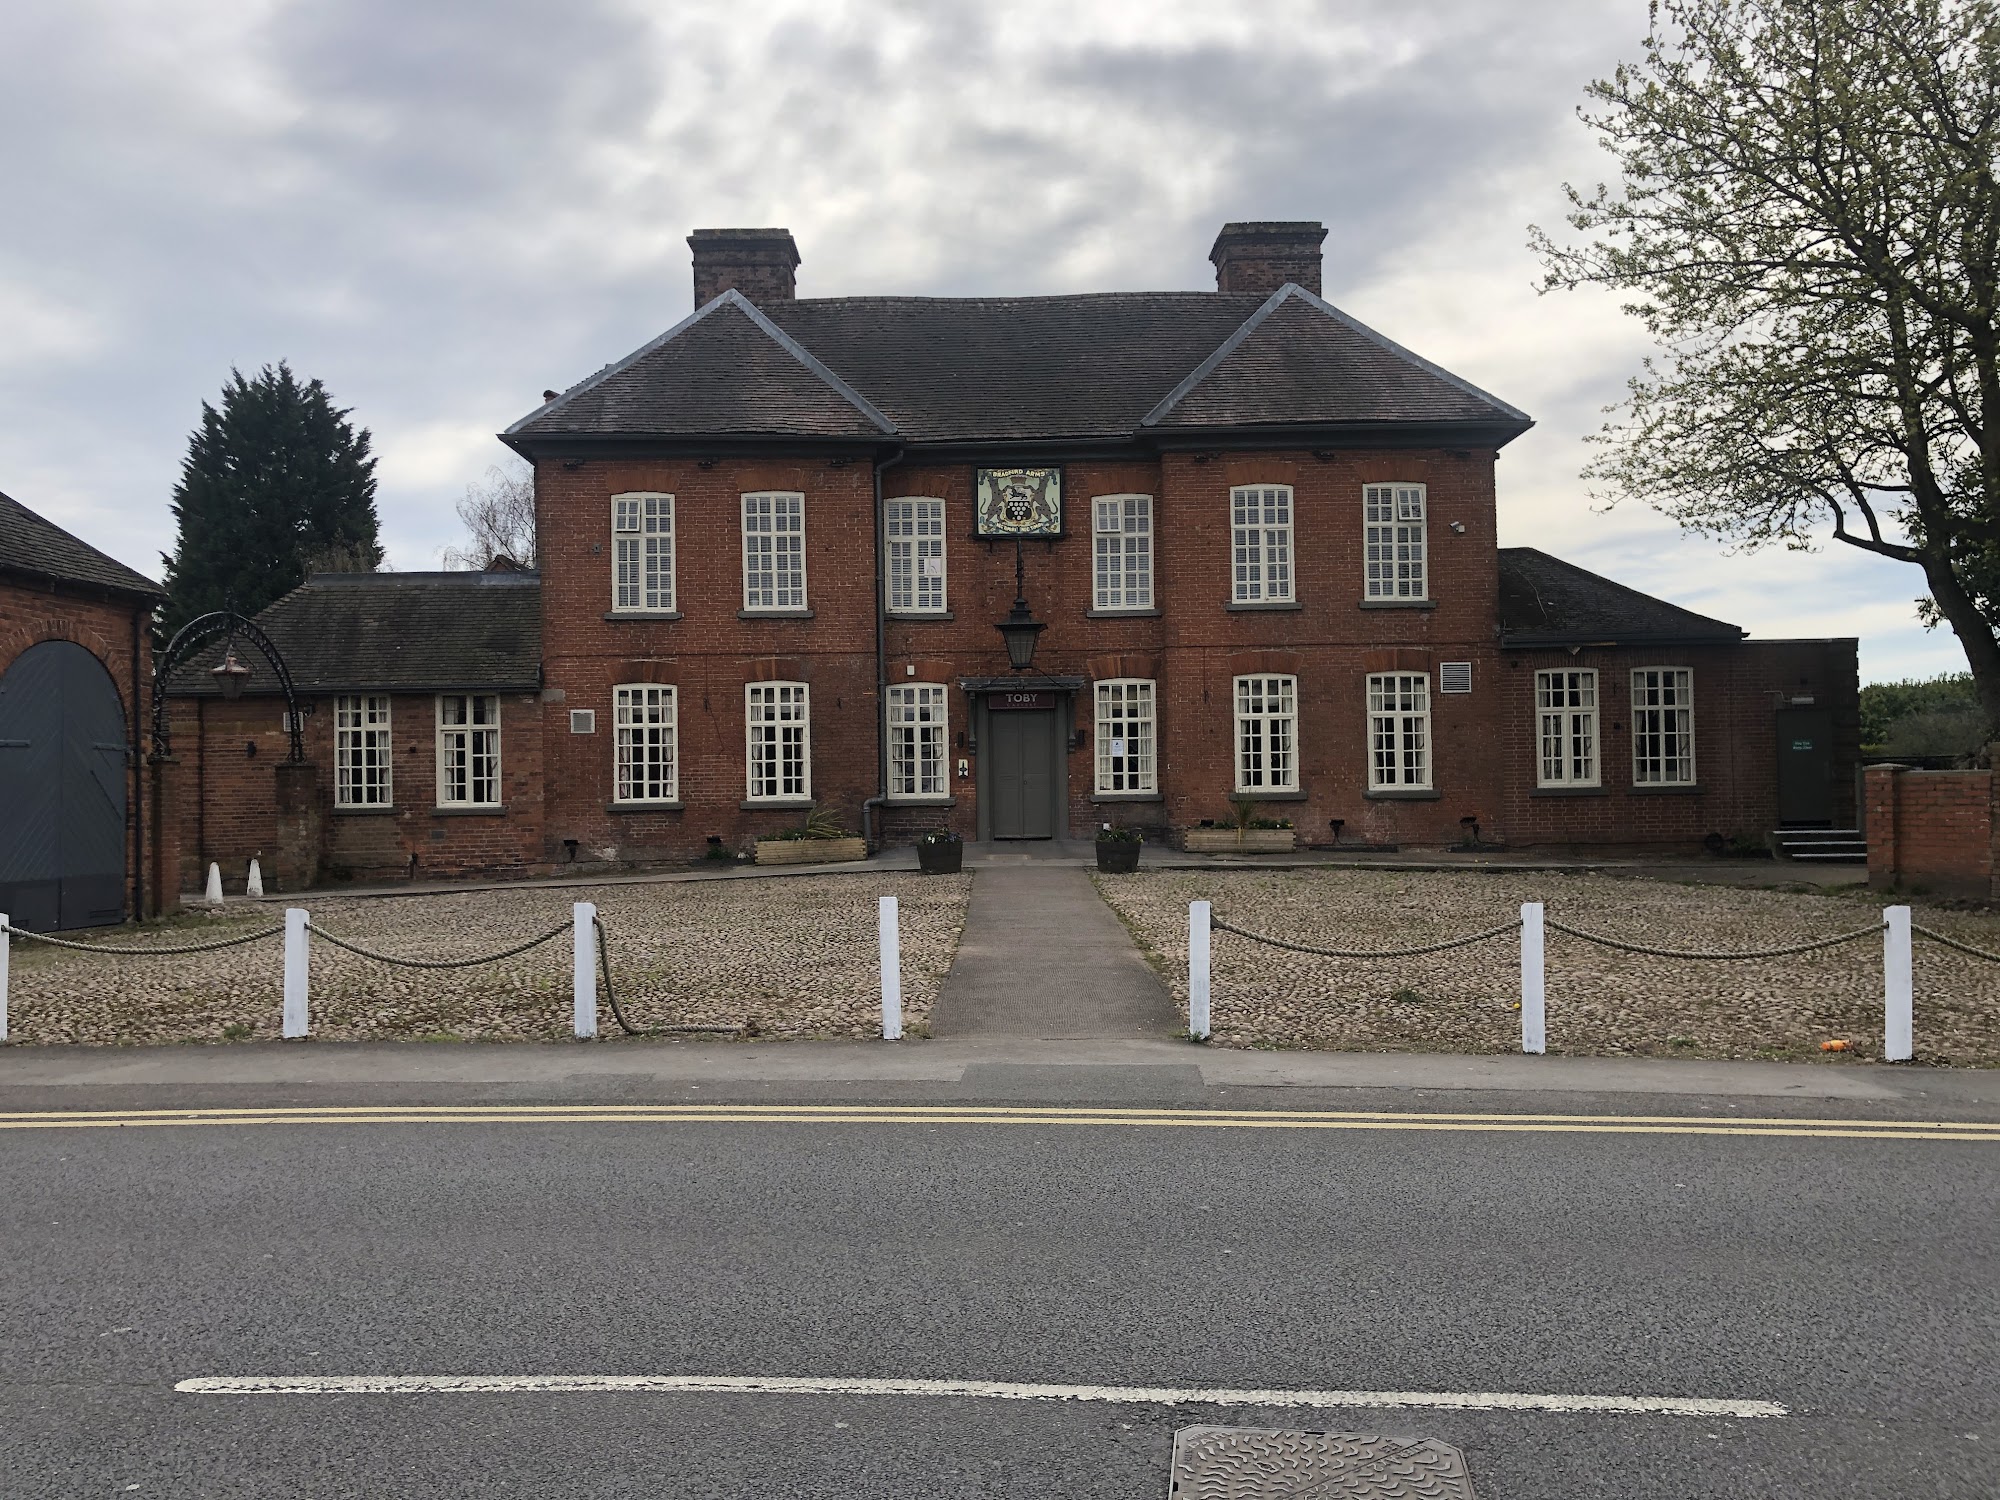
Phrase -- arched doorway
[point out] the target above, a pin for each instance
(62, 790)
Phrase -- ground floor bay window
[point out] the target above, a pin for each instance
(1399, 732)
(917, 740)
(778, 728)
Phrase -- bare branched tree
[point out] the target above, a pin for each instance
(499, 517)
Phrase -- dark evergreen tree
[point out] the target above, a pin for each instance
(276, 484)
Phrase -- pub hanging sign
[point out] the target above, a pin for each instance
(1018, 502)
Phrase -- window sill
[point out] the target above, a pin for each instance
(1252, 606)
(373, 810)
(917, 616)
(1402, 794)
(1128, 797)
(1262, 795)
(1121, 614)
(473, 810)
(642, 614)
(1569, 791)
(1676, 789)
(774, 614)
(644, 807)
(944, 801)
(776, 804)
(1399, 604)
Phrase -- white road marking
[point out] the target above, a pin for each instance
(783, 1385)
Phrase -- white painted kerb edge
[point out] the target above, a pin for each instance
(781, 1385)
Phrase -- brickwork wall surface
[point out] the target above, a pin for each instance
(1934, 829)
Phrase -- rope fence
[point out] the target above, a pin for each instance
(136, 950)
(437, 963)
(1788, 951)
(1954, 943)
(1218, 925)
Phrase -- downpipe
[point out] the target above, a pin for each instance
(881, 797)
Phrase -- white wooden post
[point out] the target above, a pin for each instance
(889, 931)
(1534, 1004)
(585, 971)
(1899, 1026)
(6, 942)
(298, 969)
(1198, 964)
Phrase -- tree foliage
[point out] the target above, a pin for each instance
(1808, 224)
(499, 517)
(276, 484)
(1886, 705)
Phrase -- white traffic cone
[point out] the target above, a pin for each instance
(254, 887)
(213, 896)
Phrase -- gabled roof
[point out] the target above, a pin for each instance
(1545, 601)
(33, 545)
(966, 370)
(394, 632)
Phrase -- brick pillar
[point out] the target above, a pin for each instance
(163, 837)
(301, 829)
(1880, 785)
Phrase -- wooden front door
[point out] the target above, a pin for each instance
(1021, 774)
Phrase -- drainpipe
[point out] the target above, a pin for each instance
(881, 796)
(139, 613)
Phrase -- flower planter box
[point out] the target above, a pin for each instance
(1118, 856)
(810, 851)
(1248, 841)
(940, 859)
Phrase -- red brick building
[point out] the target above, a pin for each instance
(1258, 539)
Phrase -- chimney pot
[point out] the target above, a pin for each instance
(1255, 259)
(759, 263)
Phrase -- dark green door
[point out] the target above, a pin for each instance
(1021, 771)
(1805, 768)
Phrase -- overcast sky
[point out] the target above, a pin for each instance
(443, 209)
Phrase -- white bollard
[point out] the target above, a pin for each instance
(585, 913)
(890, 933)
(1899, 995)
(213, 895)
(298, 969)
(1199, 913)
(1534, 1002)
(6, 942)
(254, 886)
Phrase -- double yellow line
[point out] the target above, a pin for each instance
(961, 1114)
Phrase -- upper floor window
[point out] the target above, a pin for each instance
(774, 550)
(1126, 735)
(1663, 726)
(1122, 527)
(913, 532)
(1267, 734)
(642, 552)
(917, 740)
(468, 750)
(646, 751)
(1399, 731)
(362, 759)
(1393, 541)
(1260, 537)
(1566, 728)
(778, 727)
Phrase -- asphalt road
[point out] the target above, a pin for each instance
(1854, 1281)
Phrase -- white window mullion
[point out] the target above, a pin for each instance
(642, 553)
(917, 732)
(646, 746)
(913, 535)
(1261, 544)
(1566, 728)
(1399, 731)
(1267, 734)
(778, 741)
(363, 764)
(1394, 542)
(1663, 726)
(1126, 736)
(1122, 541)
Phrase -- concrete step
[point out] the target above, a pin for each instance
(1824, 845)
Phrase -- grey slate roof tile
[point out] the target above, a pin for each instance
(32, 544)
(1546, 601)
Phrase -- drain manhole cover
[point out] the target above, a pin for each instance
(1261, 1463)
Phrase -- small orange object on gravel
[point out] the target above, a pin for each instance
(1836, 1045)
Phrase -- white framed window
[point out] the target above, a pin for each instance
(468, 750)
(913, 533)
(362, 758)
(1126, 735)
(774, 550)
(778, 728)
(1663, 726)
(1566, 728)
(918, 740)
(1122, 534)
(1260, 540)
(642, 552)
(1392, 521)
(647, 746)
(1267, 734)
(1399, 731)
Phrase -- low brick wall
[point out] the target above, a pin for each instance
(1936, 829)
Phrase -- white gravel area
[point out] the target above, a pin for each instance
(1601, 1002)
(795, 956)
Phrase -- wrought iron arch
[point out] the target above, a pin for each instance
(197, 633)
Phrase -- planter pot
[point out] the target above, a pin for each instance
(940, 859)
(1118, 856)
(809, 851)
(1247, 841)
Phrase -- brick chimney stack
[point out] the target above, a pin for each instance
(1256, 259)
(757, 262)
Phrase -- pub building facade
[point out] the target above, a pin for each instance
(1024, 566)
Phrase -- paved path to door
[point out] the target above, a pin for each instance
(1044, 957)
